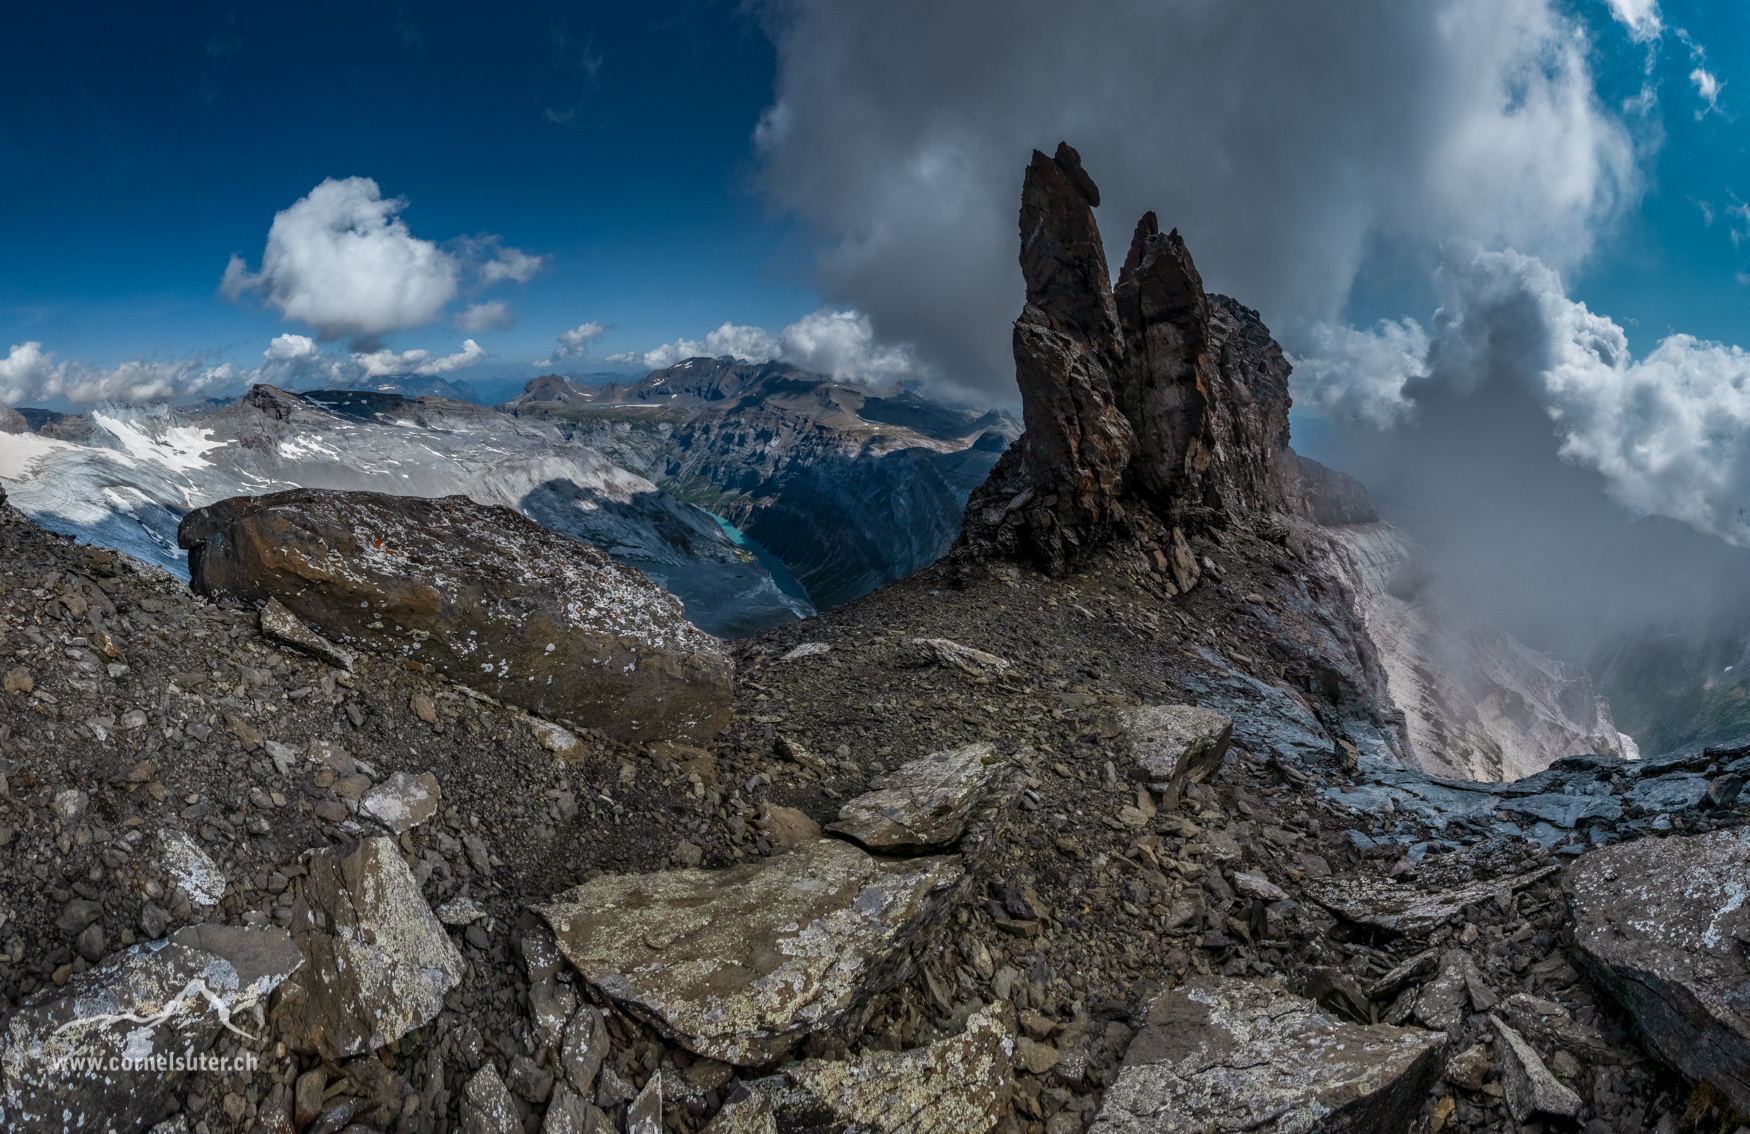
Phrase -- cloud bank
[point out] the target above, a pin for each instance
(841, 344)
(343, 261)
(900, 129)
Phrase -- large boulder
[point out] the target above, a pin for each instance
(739, 964)
(379, 960)
(480, 593)
(145, 1005)
(1224, 1054)
(1662, 925)
(1172, 745)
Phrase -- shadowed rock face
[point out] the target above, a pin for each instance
(1151, 398)
(477, 592)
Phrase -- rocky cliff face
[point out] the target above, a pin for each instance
(850, 490)
(1477, 704)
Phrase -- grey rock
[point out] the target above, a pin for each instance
(528, 1079)
(479, 855)
(1567, 810)
(611, 1090)
(1441, 1003)
(923, 804)
(949, 653)
(145, 1000)
(484, 594)
(280, 625)
(402, 802)
(645, 1116)
(1414, 968)
(460, 910)
(1177, 745)
(487, 1107)
(1553, 1026)
(1678, 791)
(586, 1045)
(1408, 909)
(1529, 1086)
(1234, 1054)
(570, 1113)
(379, 962)
(1661, 924)
(959, 1085)
(89, 944)
(738, 964)
(189, 867)
(551, 1003)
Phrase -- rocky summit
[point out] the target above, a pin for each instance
(1131, 814)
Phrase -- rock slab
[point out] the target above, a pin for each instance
(1662, 925)
(145, 1003)
(1177, 745)
(1409, 909)
(1225, 1054)
(379, 961)
(959, 1085)
(480, 593)
(923, 804)
(738, 964)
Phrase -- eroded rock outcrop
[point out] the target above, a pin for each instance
(1151, 402)
(479, 593)
(739, 964)
(1226, 1054)
(923, 804)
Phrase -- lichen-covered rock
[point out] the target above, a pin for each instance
(487, 1107)
(951, 654)
(959, 1085)
(1227, 1054)
(921, 805)
(144, 1005)
(1397, 908)
(1528, 1084)
(403, 801)
(1661, 924)
(480, 593)
(379, 961)
(282, 626)
(1175, 745)
(739, 964)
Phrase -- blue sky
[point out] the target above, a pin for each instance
(678, 167)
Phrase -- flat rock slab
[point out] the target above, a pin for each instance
(1567, 810)
(1411, 910)
(379, 961)
(738, 964)
(480, 593)
(923, 804)
(142, 1004)
(1224, 1054)
(959, 1085)
(281, 625)
(1678, 791)
(1174, 744)
(1662, 924)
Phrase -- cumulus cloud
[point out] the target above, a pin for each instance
(343, 261)
(1669, 433)
(492, 315)
(376, 364)
(29, 374)
(837, 343)
(900, 129)
(1708, 86)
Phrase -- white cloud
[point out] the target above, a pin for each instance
(1360, 375)
(376, 364)
(901, 128)
(837, 343)
(492, 315)
(342, 260)
(1670, 433)
(575, 342)
(1640, 17)
(1708, 87)
(29, 374)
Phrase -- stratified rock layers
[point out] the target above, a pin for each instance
(480, 593)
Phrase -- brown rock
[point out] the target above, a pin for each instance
(788, 827)
(423, 708)
(481, 593)
(19, 680)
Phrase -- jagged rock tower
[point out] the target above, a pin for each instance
(1151, 408)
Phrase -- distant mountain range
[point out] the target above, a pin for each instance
(757, 444)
